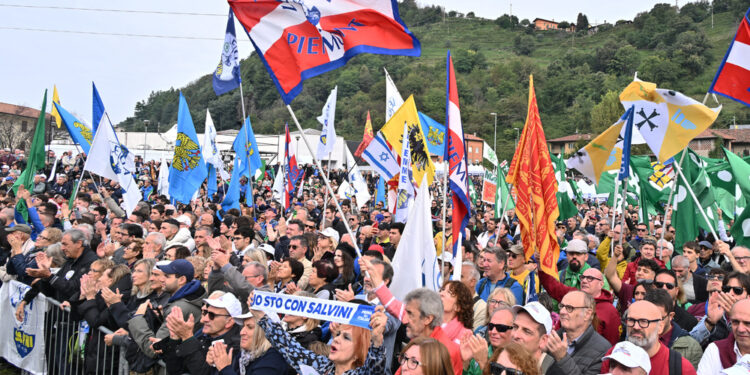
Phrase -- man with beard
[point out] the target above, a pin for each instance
(643, 324)
(672, 335)
(578, 254)
(725, 353)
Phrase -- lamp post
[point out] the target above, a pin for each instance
(494, 147)
(145, 137)
(517, 135)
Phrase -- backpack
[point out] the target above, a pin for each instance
(505, 284)
(675, 362)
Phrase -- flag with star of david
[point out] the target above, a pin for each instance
(380, 156)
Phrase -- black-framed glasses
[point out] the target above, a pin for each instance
(500, 328)
(737, 290)
(661, 285)
(513, 255)
(211, 315)
(643, 323)
(498, 369)
(642, 229)
(569, 308)
(409, 362)
(715, 277)
(293, 247)
(589, 278)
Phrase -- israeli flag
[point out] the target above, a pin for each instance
(227, 74)
(328, 133)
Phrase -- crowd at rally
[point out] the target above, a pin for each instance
(174, 284)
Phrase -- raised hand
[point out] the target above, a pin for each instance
(556, 346)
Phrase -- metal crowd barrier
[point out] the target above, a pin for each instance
(65, 346)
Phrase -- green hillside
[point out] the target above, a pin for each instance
(577, 75)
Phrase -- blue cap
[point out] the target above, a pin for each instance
(179, 267)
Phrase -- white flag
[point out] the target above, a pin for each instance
(210, 152)
(393, 100)
(489, 154)
(278, 184)
(163, 187)
(405, 194)
(328, 133)
(380, 157)
(357, 181)
(110, 159)
(54, 170)
(416, 250)
(24, 345)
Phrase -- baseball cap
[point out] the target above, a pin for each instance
(577, 246)
(179, 267)
(330, 233)
(630, 355)
(267, 248)
(516, 249)
(377, 248)
(19, 228)
(183, 219)
(447, 256)
(227, 301)
(538, 313)
(161, 263)
(706, 244)
(742, 367)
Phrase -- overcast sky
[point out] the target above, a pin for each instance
(43, 43)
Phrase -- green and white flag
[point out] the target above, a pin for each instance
(503, 197)
(473, 194)
(741, 172)
(489, 154)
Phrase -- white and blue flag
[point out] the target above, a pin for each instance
(405, 192)
(328, 133)
(227, 74)
(380, 157)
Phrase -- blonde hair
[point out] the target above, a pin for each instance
(199, 265)
(258, 342)
(520, 357)
(257, 255)
(434, 356)
(507, 296)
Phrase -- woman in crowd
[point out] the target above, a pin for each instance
(254, 255)
(304, 330)
(458, 313)
(425, 356)
(321, 279)
(512, 360)
(133, 252)
(354, 350)
(154, 226)
(345, 265)
(290, 270)
(256, 355)
(497, 296)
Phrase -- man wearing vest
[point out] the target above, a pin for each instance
(724, 353)
(643, 324)
(494, 261)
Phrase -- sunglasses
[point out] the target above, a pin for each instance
(500, 328)
(660, 285)
(737, 290)
(498, 369)
(211, 315)
(715, 277)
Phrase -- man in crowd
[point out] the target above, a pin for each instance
(531, 329)
(493, 262)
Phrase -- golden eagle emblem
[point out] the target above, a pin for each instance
(187, 153)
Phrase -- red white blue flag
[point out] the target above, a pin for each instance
(301, 39)
(455, 150)
(293, 172)
(733, 78)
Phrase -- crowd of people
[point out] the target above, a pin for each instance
(175, 283)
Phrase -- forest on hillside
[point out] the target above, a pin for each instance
(577, 75)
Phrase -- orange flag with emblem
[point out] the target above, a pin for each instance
(366, 138)
(533, 179)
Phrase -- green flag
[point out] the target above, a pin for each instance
(473, 194)
(503, 197)
(741, 171)
(35, 160)
(683, 217)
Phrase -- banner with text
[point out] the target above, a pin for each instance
(333, 311)
(27, 350)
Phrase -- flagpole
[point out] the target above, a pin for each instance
(445, 209)
(695, 199)
(325, 179)
(614, 217)
(623, 205)
(669, 202)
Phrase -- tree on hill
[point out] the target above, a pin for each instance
(582, 22)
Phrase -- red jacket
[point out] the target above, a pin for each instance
(629, 276)
(609, 319)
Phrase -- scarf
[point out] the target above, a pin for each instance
(245, 359)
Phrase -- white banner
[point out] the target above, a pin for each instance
(316, 308)
(27, 350)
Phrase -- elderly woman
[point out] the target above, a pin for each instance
(497, 297)
(425, 356)
(256, 355)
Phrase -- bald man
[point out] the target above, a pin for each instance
(724, 353)
(643, 324)
(592, 283)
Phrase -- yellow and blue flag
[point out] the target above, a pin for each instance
(435, 132)
(79, 132)
(188, 169)
(421, 163)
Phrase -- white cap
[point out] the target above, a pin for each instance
(227, 301)
(577, 246)
(447, 255)
(184, 219)
(742, 367)
(160, 263)
(630, 355)
(331, 233)
(267, 248)
(538, 313)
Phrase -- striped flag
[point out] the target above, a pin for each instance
(733, 77)
(458, 172)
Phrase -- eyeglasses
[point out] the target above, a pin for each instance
(92, 269)
(641, 229)
(293, 247)
(737, 290)
(310, 226)
(409, 362)
(569, 308)
(589, 278)
(494, 302)
(715, 277)
(513, 255)
(352, 219)
(643, 323)
(498, 369)
(500, 328)
(661, 285)
(211, 315)
(742, 259)
(44, 238)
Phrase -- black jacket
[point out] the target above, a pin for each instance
(189, 356)
(587, 355)
(67, 281)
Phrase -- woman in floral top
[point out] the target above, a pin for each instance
(349, 350)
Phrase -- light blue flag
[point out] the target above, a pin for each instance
(435, 133)
(232, 198)
(80, 133)
(227, 74)
(251, 150)
(380, 197)
(625, 165)
(188, 169)
(242, 150)
(97, 108)
(211, 185)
